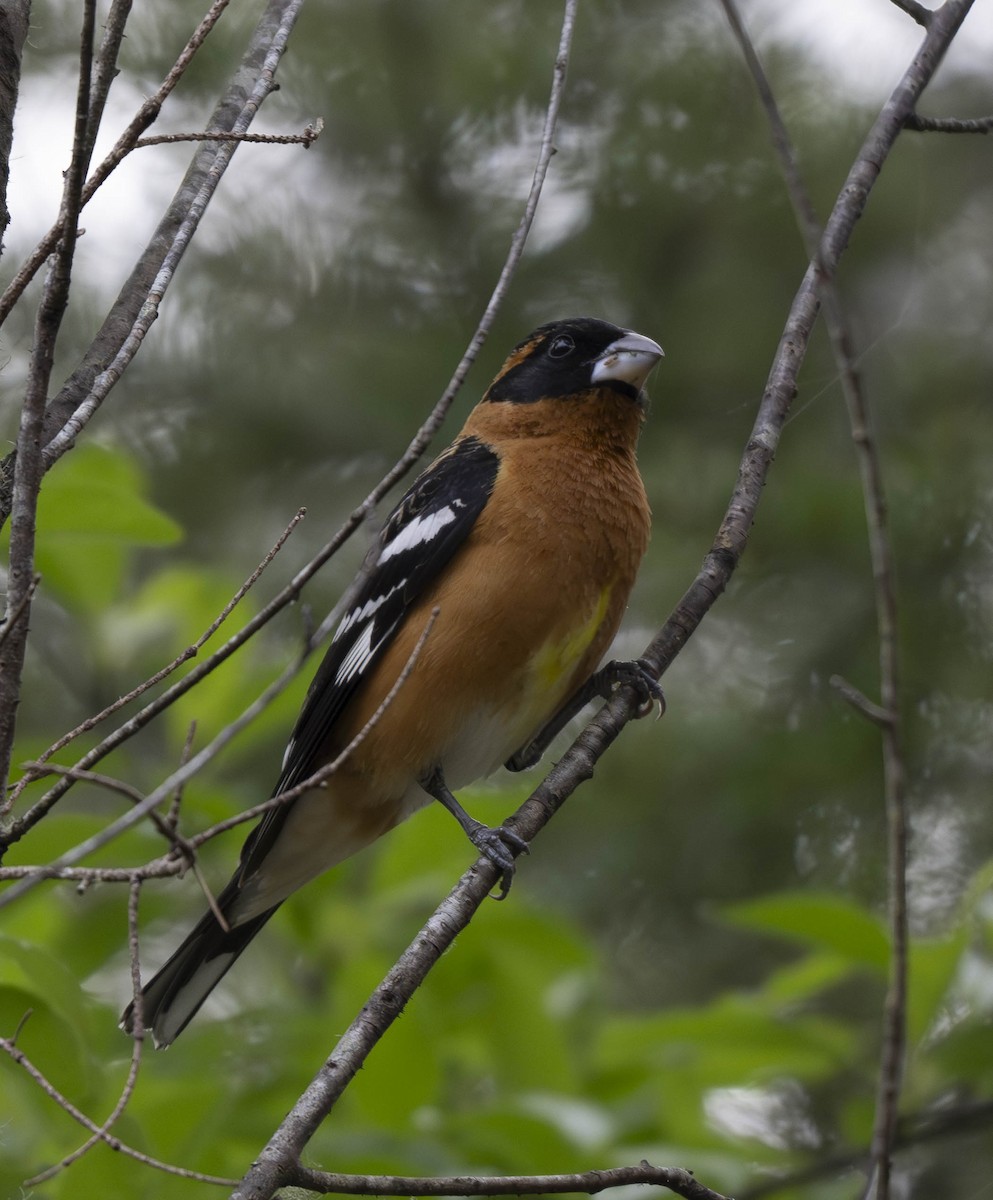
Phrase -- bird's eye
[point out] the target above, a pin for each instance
(562, 346)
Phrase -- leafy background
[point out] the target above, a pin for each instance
(691, 965)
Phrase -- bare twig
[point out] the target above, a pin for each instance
(158, 868)
(861, 702)
(106, 70)
(921, 124)
(674, 1179)
(919, 12)
(305, 139)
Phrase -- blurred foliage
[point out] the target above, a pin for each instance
(692, 963)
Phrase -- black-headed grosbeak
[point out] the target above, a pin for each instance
(516, 550)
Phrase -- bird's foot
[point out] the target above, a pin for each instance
(637, 674)
(498, 845)
(501, 846)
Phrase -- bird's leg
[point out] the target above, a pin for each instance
(636, 674)
(496, 844)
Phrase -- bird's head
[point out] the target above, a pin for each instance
(573, 356)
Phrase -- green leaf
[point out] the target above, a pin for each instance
(91, 512)
(819, 919)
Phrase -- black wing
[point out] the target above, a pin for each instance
(420, 536)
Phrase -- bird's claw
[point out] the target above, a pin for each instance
(639, 675)
(496, 845)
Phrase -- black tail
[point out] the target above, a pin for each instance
(171, 999)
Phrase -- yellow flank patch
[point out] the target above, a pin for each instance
(558, 659)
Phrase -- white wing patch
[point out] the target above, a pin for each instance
(358, 657)
(420, 530)
(367, 610)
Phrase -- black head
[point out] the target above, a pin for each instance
(572, 356)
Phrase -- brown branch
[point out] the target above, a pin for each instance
(861, 702)
(106, 70)
(948, 124)
(676, 1180)
(305, 139)
(158, 868)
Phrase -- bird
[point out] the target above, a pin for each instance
(495, 589)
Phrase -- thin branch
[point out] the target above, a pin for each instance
(920, 14)
(306, 139)
(676, 1180)
(158, 868)
(861, 702)
(949, 124)
(106, 70)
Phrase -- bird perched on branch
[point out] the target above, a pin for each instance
(500, 580)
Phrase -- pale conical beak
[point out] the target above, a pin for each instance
(628, 359)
